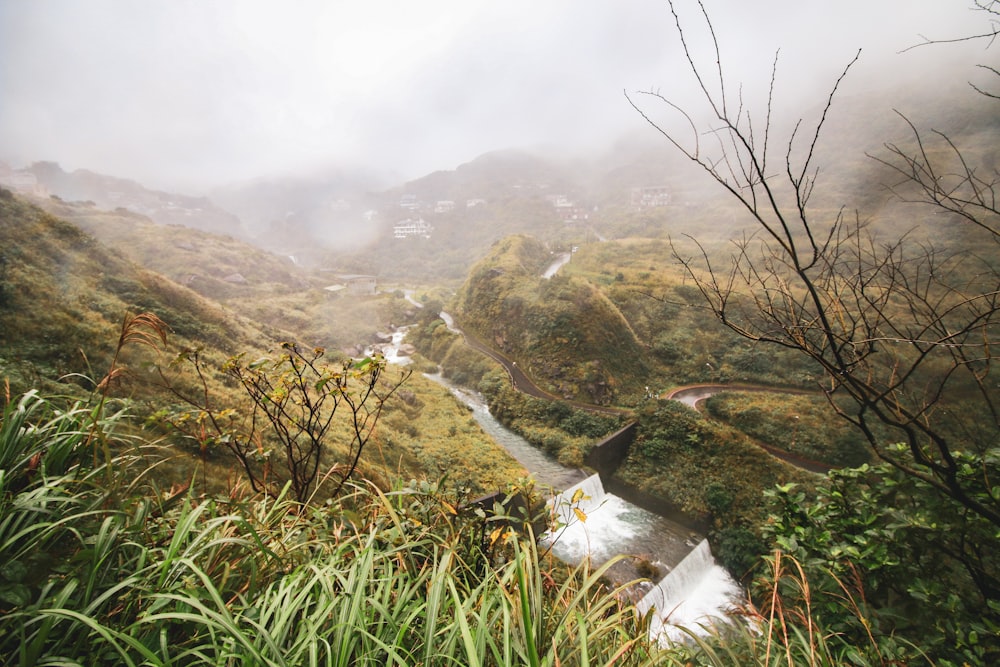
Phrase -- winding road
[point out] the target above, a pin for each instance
(518, 378)
(690, 395)
(693, 394)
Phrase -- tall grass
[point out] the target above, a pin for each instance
(126, 573)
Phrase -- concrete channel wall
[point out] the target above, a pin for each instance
(608, 455)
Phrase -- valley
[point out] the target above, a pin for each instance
(564, 300)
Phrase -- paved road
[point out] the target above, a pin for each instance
(556, 265)
(692, 395)
(518, 378)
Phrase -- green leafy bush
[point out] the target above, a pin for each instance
(923, 568)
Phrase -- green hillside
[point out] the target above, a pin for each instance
(64, 294)
(563, 331)
(615, 323)
(216, 266)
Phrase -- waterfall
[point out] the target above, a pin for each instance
(696, 592)
(610, 526)
(591, 497)
(391, 350)
(600, 529)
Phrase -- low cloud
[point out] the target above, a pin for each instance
(192, 94)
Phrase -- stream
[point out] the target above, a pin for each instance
(692, 588)
(545, 469)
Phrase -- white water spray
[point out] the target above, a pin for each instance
(694, 595)
(691, 595)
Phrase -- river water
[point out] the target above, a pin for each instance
(545, 469)
(391, 350)
(693, 590)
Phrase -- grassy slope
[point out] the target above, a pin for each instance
(267, 289)
(200, 260)
(566, 333)
(63, 295)
(617, 319)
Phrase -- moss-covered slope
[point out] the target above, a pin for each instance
(568, 336)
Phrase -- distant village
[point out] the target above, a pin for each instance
(123, 195)
(566, 209)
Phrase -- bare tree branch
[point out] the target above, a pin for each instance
(899, 327)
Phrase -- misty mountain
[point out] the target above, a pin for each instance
(346, 218)
(110, 192)
(294, 212)
(639, 186)
(493, 175)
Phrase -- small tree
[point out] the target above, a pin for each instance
(295, 399)
(897, 325)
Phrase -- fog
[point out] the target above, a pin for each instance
(190, 94)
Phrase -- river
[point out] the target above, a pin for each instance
(693, 588)
(545, 469)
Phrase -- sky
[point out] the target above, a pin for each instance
(189, 94)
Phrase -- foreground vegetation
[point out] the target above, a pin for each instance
(101, 565)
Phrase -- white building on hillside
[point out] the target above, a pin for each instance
(410, 227)
(354, 284)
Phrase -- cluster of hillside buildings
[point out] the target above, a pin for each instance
(354, 284)
(412, 227)
(417, 227)
(651, 197)
(566, 209)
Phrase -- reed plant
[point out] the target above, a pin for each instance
(133, 574)
(784, 628)
(100, 565)
(161, 580)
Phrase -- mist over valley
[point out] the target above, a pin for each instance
(283, 283)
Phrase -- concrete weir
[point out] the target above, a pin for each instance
(694, 593)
